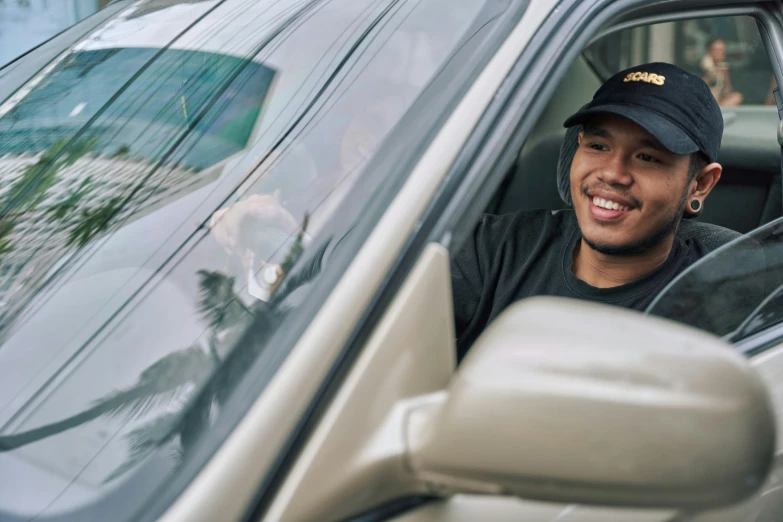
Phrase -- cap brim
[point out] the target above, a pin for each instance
(669, 134)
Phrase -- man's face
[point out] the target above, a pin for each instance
(628, 191)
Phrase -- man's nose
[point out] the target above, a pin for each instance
(615, 171)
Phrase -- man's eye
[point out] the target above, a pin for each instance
(596, 146)
(647, 158)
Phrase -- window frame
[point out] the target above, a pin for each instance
(495, 153)
(479, 171)
(494, 144)
(464, 209)
(396, 157)
(771, 34)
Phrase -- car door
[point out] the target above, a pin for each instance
(343, 457)
(736, 292)
(340, 421)
(283, 410)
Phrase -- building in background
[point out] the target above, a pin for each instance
(86, 152)
(27, 23)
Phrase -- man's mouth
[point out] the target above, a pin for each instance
(609, 204)
(607, 210)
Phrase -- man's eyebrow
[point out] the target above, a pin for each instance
(597, 132)
(653, 144)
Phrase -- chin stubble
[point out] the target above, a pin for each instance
(644, 244)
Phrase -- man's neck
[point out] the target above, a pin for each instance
(606, 271)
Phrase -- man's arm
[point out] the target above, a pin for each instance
(466, 284)
(469, 269)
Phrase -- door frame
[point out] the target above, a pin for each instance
(477, 170)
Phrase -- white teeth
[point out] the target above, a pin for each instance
(610, 205)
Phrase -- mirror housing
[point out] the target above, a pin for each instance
(569, 401)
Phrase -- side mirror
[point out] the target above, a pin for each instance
(574, 402)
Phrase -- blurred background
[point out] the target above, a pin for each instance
(726, 51)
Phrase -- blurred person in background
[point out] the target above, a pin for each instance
(717, 76)
(771, 96)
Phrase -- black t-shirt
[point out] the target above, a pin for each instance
(525, 254)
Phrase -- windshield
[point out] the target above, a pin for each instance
(734, 291)
(165, 186)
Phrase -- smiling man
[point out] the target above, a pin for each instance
(645, 159)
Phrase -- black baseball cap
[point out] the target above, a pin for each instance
(673, 105)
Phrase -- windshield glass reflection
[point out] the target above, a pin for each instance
(164, 186)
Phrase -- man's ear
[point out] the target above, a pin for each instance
(579, 137)
(701, 185)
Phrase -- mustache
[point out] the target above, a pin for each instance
(587, 188)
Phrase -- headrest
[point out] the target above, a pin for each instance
(567, 151)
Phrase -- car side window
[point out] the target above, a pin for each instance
(726, 51)
(729, 55)
(733, 292)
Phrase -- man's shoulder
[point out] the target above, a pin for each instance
(530, 220)
(524, 227)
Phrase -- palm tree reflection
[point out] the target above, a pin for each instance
(30, 189)
(64, 208)
(92, 221)
(189, 385)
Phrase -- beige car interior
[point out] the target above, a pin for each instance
(563, 410)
